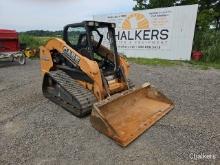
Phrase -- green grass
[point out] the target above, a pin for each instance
(155, 61)
(33, 41)
(170, 63)
(204, 65)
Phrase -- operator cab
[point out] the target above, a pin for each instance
(96, 41)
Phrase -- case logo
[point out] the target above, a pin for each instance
(71, 56)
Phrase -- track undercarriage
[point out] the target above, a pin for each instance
(67, 92)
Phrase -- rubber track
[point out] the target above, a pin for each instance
(84, 97)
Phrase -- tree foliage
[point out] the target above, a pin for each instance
(140, 5)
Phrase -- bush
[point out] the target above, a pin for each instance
(209, 43)
(31, 41)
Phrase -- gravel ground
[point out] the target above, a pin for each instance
(34, 130)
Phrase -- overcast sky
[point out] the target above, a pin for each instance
(23, 15)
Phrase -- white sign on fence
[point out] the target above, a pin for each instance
(165, 33)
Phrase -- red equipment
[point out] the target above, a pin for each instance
(10, 46)
(9, 41)
(197, 55)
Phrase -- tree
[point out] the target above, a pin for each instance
(217, 14)
(141, 5)
(160, 3)
(149, 4)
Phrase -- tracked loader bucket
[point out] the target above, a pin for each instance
(125, 116)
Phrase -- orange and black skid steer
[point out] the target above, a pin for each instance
(83, 73)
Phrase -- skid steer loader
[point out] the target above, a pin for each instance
(84, 74)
